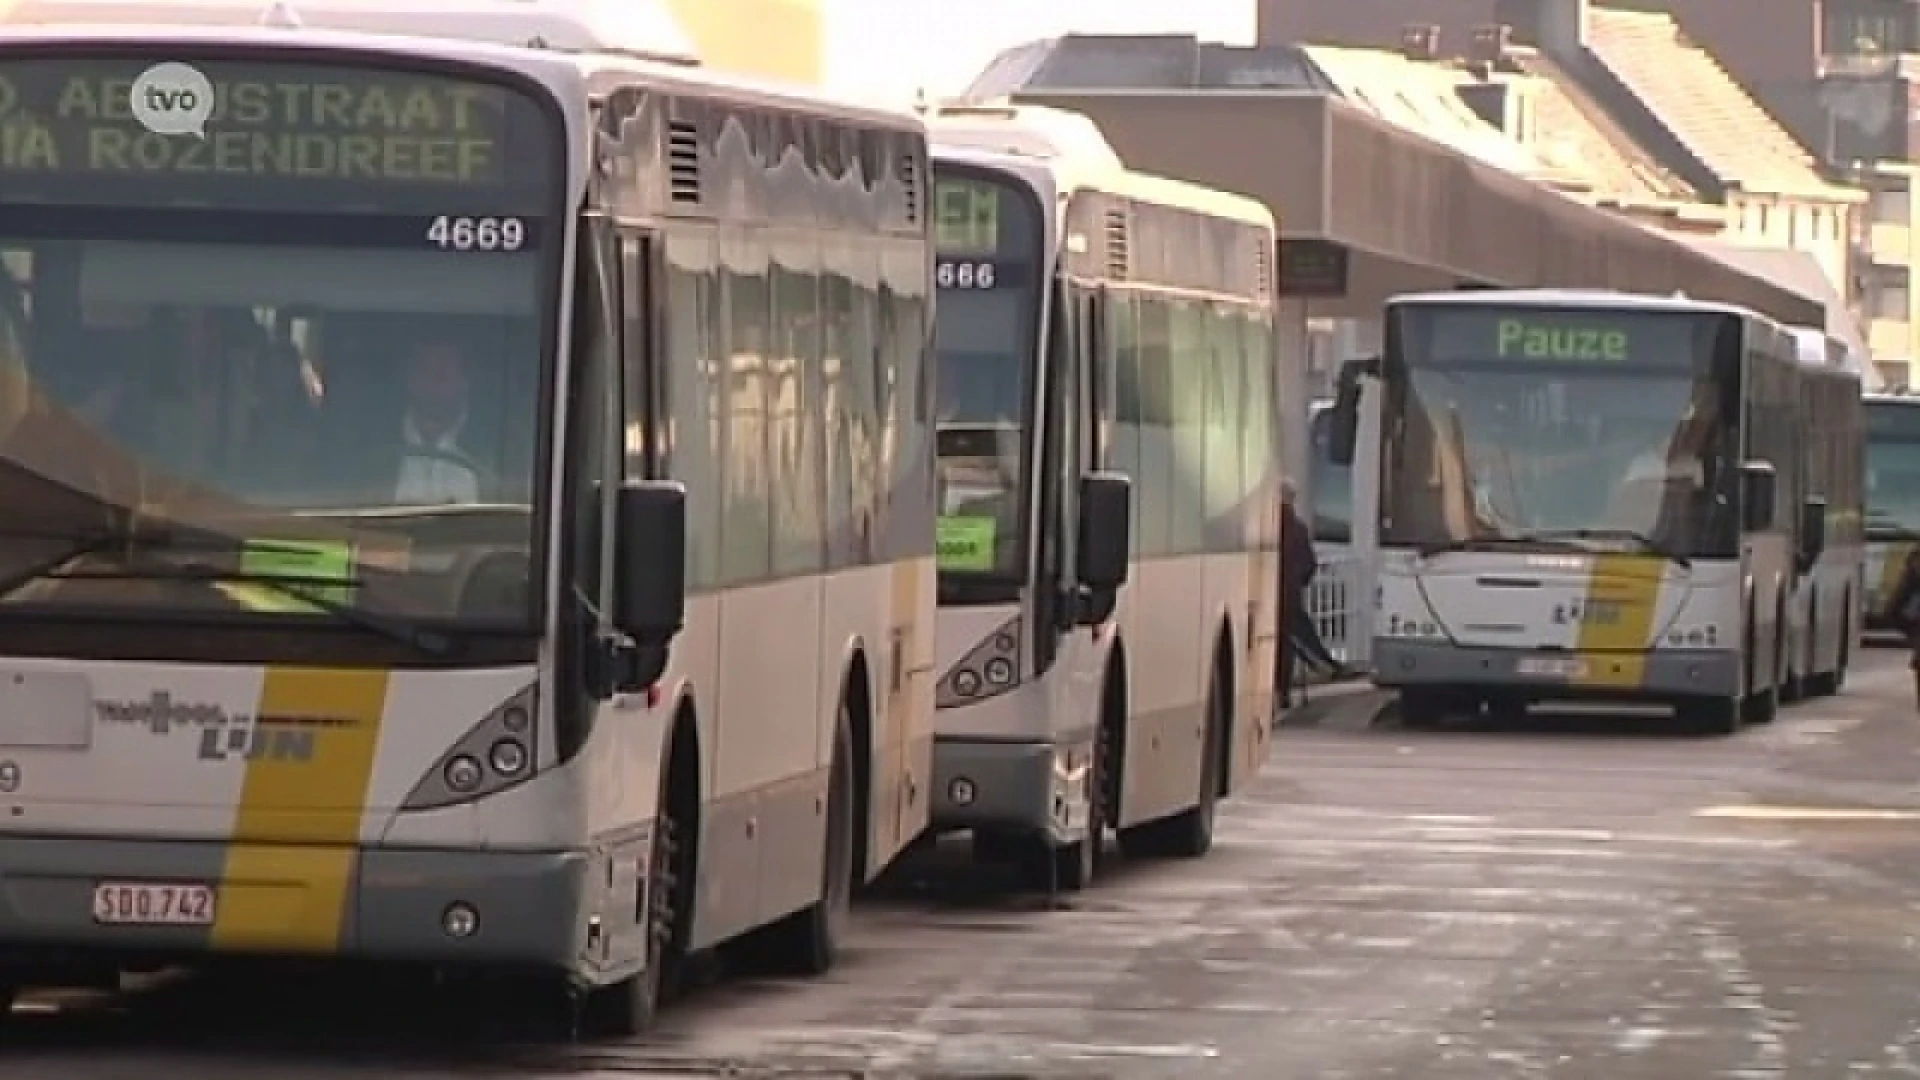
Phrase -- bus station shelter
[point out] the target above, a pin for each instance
(1368, 210)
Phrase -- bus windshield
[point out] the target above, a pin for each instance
(1587, 429)
(304, 344)
(1893, 471)
(988, 272)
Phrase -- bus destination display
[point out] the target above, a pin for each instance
(70, 130)
(966, 217)
(983, 233)
(1559, 336)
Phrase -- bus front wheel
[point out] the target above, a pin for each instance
(628, 1007)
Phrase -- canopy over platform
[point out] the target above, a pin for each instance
(1368, 210)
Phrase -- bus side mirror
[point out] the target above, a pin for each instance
(650, 572)
(1106, 532)
(1813, 531)
(1757, 483)
(1343, 420)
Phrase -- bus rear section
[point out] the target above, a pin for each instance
(1565, 512)
(1892, 499)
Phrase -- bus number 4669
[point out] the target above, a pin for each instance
(477, 233)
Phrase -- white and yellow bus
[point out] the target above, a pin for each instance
(1109, 455)
(1893, 497)
(1823, 623)
(472, 504)
(1586, 495)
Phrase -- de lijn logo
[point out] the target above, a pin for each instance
(173, 99)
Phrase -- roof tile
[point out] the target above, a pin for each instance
(1575, 127)
(1419, 97)
(1686, 90)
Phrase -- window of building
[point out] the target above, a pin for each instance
(1888, 300)
(1890, 206)
(1868, 28)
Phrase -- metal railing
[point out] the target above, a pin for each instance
(1337, 601)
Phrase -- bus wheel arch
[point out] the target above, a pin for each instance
(1224, 683)
(1115, 701)
(1798, 652)
(807, 942)
(1843, 653)
(682, 796)
(856, 703)
(666, 889)
(1188, 834)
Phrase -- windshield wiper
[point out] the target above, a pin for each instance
(1646, 542)
(1442, 547)
(288, 585)
(1491, 543)
(79, 543)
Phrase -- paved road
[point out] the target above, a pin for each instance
(1579, 898)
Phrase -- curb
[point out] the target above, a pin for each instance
(1345, 706)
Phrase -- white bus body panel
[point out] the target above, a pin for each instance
(1559, 623)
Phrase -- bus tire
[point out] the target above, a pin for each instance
(808, 941)
(1422, 710)
(628, 1007)
(1716, 716)
(1189, 833)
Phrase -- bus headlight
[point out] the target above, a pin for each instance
(494, 755)
(463, 774)
(508, 757)
(989, 669)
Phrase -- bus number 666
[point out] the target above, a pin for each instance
(963, 275)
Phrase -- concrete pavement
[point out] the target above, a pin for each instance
(1585, 896)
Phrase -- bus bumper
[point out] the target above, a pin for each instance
(1657, 673)
(1028, 787)
(367, 904)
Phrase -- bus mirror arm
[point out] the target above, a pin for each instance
(1105, 553)
(650, 578)
(1343, 434)
(1092, 607)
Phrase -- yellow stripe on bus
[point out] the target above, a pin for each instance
(289, 869)
(1615, 650)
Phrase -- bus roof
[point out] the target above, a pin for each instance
(637, 28)
(1060, 152)
(573, 77)
(1592, 299)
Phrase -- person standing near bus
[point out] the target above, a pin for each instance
(1298, 563)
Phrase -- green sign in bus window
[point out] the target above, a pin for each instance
(1560, 341)
(966, 543)
(308, 566)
